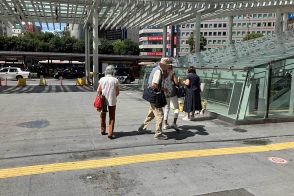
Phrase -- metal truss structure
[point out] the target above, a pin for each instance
(131, 13)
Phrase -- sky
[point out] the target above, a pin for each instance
(51, 28)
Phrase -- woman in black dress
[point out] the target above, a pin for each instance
(192, 100)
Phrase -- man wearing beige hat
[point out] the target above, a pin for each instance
(155, 82)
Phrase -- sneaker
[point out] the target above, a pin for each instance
(175, 126)
(186, 118)
(142, 129)
(161, 137)
(166, 126)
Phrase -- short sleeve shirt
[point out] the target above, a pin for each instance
(109, 85)
(157, 76)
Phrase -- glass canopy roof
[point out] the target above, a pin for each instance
(130, 13)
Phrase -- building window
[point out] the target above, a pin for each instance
(244, 24)
(264, 15)
(259, 24)
(259, 16)
(254, 15)
(269, 24)
(183, 26)
(239, 25)
(205, 25)
(219, 33)
(214, 25)
(183, 42)
(224, 25)
(224, 33)
(192, 26)
(234, 24)
(210, 25)
(264, 24)
(205, 33)
(201, 26)
(219, 25)
(270, 15)
(188, 26)
(214, 34)
(210, 34)
(187, 33)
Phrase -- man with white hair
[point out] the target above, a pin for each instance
(155, 82)
(109, 89)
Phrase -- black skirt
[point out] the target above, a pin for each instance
(192, 101)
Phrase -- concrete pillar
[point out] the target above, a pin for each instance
(230, 29)
(285, 22)
(95, 49)
(164, 41)
(278, 27)
(197, 33)
(87, 54)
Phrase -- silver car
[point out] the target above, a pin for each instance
(13, 73)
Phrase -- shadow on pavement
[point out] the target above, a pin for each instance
(44, 89)
(181, 133)
(200, 130)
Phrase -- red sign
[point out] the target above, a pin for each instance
(154, 53)
(155, 38)
(278, 160)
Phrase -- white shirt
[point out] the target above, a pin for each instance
(109, 85)
(157, 76)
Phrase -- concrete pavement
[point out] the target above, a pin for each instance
(47, 128)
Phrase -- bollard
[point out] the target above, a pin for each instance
(42, 81)
(21, 82)
(80, 82)
(61, 82)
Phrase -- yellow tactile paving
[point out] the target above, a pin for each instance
(143, 158)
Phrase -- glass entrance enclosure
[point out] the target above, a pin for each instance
(249, 82)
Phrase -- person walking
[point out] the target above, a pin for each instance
(169, 84)
(192, 100)
(109, 89)
(155, 82)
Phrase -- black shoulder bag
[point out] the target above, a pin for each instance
(155, 97)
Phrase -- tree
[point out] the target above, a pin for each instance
(106, 46)
(191, 42)
(125, 47)
(250, 36)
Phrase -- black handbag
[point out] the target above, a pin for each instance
(160, 99)
(181, 91)
(155, 97)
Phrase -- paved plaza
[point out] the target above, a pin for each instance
(57, 133)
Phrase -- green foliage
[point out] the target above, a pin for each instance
(63, 42)
(125, 47)
(43, 42)
(250, 36)
(191, 42)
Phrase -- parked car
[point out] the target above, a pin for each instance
(70, 73)
(124, 75)
(13, 73)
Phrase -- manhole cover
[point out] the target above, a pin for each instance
(278, 160)
(35, 124)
